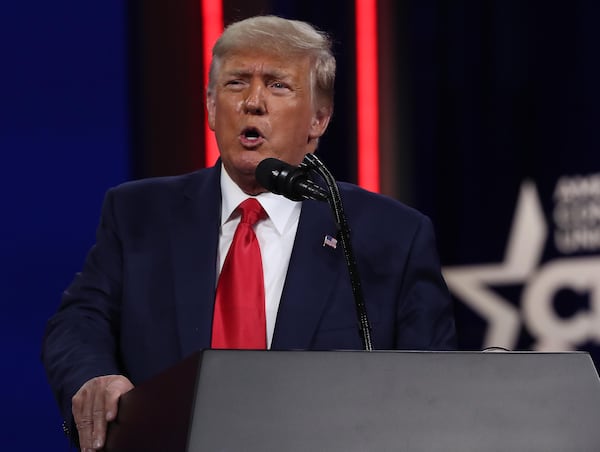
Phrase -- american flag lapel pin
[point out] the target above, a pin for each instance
(330, 241)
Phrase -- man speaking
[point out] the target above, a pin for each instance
(211, 259)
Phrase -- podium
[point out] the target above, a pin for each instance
(229, 400)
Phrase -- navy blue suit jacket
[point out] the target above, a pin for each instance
(144, 299)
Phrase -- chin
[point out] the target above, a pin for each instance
(248, 166)
(242, 167)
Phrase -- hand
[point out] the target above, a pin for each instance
(94, 405)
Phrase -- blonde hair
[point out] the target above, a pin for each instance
(281, 37)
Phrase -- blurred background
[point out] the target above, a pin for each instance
(488, 122)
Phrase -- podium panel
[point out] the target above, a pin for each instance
(375, 401)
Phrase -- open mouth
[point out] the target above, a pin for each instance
(251, 137)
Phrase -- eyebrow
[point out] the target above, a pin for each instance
(274, 73)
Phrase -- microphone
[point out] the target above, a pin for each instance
(290, 181)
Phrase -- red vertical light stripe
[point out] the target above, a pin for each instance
(212, 27)
(367, 89)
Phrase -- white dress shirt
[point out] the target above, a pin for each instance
(275, 235)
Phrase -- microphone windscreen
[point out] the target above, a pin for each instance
(290, 181)
(267, 172)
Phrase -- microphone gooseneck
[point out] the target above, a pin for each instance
(294, 183)
(312, 162)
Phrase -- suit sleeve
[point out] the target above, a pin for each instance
(81, 339)
(425, 313)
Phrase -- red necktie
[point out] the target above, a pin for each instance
(239, 316)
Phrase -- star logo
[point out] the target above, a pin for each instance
(541, 282)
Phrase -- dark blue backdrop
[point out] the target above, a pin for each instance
(63, 141)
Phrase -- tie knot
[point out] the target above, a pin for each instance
(251, 211)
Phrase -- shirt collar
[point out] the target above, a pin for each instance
(278, 208)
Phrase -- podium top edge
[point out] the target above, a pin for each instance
(411, 352)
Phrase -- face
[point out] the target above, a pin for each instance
(262, 106)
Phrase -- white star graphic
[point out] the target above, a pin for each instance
(523, 254)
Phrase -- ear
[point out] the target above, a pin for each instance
(319, 122)
(210, 108)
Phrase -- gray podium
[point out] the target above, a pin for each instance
(222, 400)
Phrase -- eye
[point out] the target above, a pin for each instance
(234, 83)
(278, 85)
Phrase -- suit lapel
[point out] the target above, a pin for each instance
(311, 276)
(194, 236)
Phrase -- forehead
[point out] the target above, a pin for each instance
(260, 62)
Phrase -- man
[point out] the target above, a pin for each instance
(146, 296)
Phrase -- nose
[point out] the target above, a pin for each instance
(255, 100)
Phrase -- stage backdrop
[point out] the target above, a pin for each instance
(506, 107)
(488, 109)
